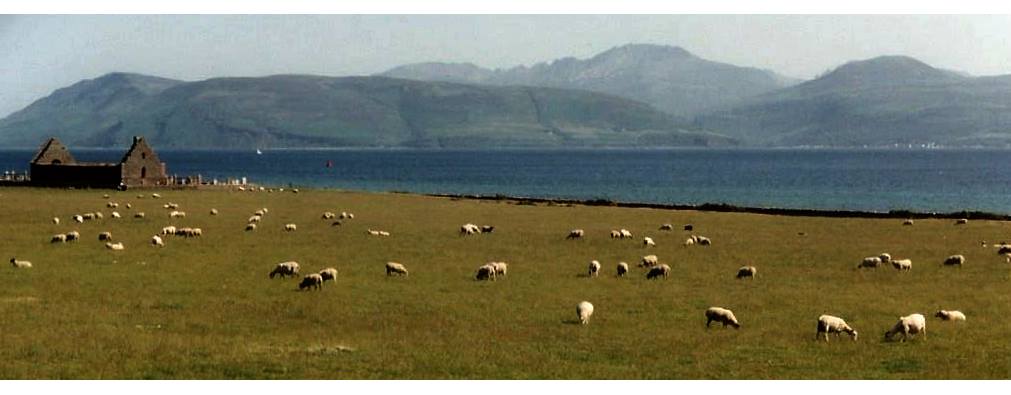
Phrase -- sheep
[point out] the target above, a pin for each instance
(196, 232)
(56, 220)
(328, 274)
(155, 196)
(157, 241)
(140, 196)
(250, 226)
(105, 236)
(172, 206)
(346, 215)
(584, 310)
(139, 215)
(485, 272)
(625, 234)
(88, 216)
(20, 264)
(487, 229)
(290, 227)
(469, 229)
(689, 227)
(395, 268)
(114, 247)
(649, 261)
(79, 218)
(259, 213)
(294, 190)
(661, 270)
(594, 268)
(690, 241)
(950, 315)
(746, 272)
(177, 214)
(313, 280)
(872, 262)
(1004, 249)
(112, 205)
(129, 206)
(831, 324)
(961, 221)
(73, 236)
(98, 215)
(954, 260)
(289, 268)
(704, 241)
(214, 211)
(168, 230)
(908, 325)
(255, 218)
(329, 215)
(59, 238)
(377, 232)
(902, 264)
(723, 316)
(907, 222)
(575, 234)
(337, 223)
(615, 234)
(885, 257)
(501, 268)
(648, 242)
(667, 227)
(115, 214)
(622, 269)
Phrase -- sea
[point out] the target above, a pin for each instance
(877, 180)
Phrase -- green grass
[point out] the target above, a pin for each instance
(205, 309)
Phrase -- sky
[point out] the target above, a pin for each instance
(41, 53)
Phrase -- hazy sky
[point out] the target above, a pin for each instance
(39, 54)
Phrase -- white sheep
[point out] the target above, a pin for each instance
(622, 269)
(328, 274)
(954, 260)
(58, 238)
(129, 206)
(908, 325)
(615, 234)
(289, 268)
(902, 264)
(214, 211)
(115, 214)
(329, 215)
(907, 222)
(870, 262)
(704, 241)
(667, 227)
(73, 236)
(98, 215)
(485, 272)
(290, 227)
(594, 268)
(155, 196)
(395, 268)
(105, 236)
(139, 215)
(56, 220)
(661, 270)
(255, 218)
(112, 205)
(832, 324)
(20, 264)
(584, 310)
(469, 229)
(950, 315)
(649, 261)
(625, 234)
(157, 241)
(648, 242)
(575, 234)
(168, 230)
(962, 221)
(79, 218)
(177, 214)
(885, 258)
(313, 280)
(723, 316)
(690, 241)
(501, 268)
(747, 272)
(115, 247)
(250, 226)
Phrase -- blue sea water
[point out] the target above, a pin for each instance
(943, 180)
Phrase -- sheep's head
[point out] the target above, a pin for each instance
(735, 324)
(853, 334)
(941, 314)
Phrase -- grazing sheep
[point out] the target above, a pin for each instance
(908, 325)
(56, 220)
(395, 268)
(487, 229)
(139, 215)
(115, 247)
(294, 190)
(485, 272)
(98, 215)
(105, 236)
(954, 260)
(661, 270)
(313, 280)
(594, 268)
(259, 213)
(746, 272)
(337, 223)
(575, 234)
(690, 241)
(622, 269)
(649, 261)
(907, 222)
(648, 242)
(129, 206)
(177, 214)
(615, 234)
(289, 268)
(328, 274)
(625, 234)
(157, 241)
(831, 324)
(346, 215)
(501, 268)
(870, 262)
(704, 241)
(1004, 249)
(950, 315)
(115, 214)
(168, 230)
(378, 232)
(329, 215)
(250, 226)
(111, 205)
(60, 238)
(79, 219)
(469, 229)
(88, 216)
(214, 211)
(155, 196)
(255, 218)
(885, 258)
(961, 221)
(20, 264)
(667, 227)
(584, 310)
(902, 264)
(73, 236)
(689, 227)
(290, 227)
(723, 316)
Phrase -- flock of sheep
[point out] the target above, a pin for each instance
(907, 326)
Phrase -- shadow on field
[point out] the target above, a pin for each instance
(571, 322)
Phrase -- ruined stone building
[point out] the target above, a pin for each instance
(54, 166)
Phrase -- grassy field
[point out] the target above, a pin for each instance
(204, 308)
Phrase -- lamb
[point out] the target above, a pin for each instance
(649, 261)
(395, 268)
(872, 262)
(501, 268)
(831, 324)
(139, 215)
(908, 325)
(115, 247)
(746, 272)
(328, 274)
(662, 270)
(584, 310)
(20, 264)
(648, 242)
(902, 264)
(115, 214)
(950, 315)
(469, 229)
(177, 214)
(157, 241)
(667, 227)
(290, 227)
(485, 272)
(329, 215)
(575, 234)
(723, 316)
(954, 260)
(73, 236)
(60, 238)
(105, 236)
(313, 280)
(594, 268)
(289, 268)
(250, 226)
(56, 220)
(622, 269)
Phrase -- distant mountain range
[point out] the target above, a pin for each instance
(669, 78)
(313, 111)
